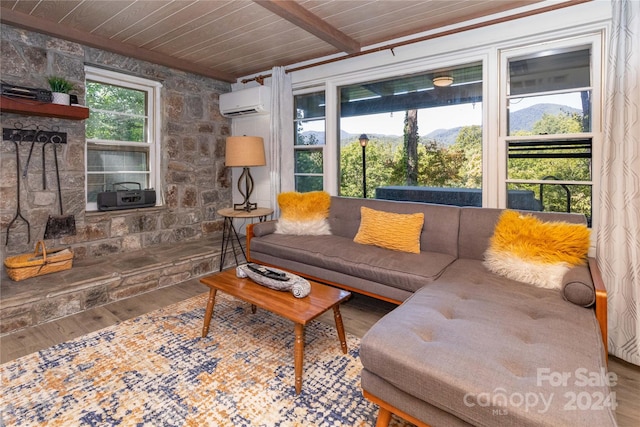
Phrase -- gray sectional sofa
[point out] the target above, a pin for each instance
(465, 346)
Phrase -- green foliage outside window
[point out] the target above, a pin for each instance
(117, 113)
(460, 165)
(118, 117)
(554, 197)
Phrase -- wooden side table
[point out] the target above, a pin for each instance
(229, 232)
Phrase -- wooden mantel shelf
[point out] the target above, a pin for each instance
(30, 107)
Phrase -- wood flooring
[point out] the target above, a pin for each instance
(358, 315)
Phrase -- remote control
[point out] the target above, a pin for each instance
(271, 274)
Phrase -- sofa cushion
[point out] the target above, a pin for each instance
(536, 252)
(304, 213)
(398, 232)
(398, 269)
(472, 338)
(439, 233)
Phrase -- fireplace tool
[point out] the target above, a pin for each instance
(59, 225)
(18, 213)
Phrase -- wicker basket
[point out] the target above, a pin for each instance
(40, 262)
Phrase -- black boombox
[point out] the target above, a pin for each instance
(126, 199)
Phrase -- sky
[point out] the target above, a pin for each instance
(428, 120)
(441, 117)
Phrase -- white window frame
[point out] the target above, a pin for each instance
(153, 138)
(594, 40)
(322, 147)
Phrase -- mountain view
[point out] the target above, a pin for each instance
(520, 120)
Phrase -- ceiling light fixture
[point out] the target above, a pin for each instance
(442, 81)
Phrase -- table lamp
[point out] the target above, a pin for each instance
(245, 151)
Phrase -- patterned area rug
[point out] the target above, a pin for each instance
(155, 370)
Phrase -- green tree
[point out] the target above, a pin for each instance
(439, 166)
(469, 142)
(557, 124)
(379, 159)
(117, 113)
(308, 161)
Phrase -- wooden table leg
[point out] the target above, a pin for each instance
(340, 327)
(209, 312)
(298, 355)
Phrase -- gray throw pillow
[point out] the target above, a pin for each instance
(578, 288)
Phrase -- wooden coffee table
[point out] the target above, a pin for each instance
(299, 310)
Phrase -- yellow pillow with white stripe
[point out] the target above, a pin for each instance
(304, 213)
(399, 232)
(529, 250)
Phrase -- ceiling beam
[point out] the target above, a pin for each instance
(301, 17)
(40, 25)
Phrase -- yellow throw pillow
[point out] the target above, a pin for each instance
(399, 232)
(304, 213)
(529, 250)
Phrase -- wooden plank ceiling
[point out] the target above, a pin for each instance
(228, 39)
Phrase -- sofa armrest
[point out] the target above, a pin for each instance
(601, 300)
(257, 230)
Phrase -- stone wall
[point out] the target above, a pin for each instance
(195, 183)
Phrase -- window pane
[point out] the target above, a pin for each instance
(117, 113)
(116, 127)
(308, 183)
(551, 197)
(308, 161)
(564, 160)
(550, 114)
(310, 132)
(309, 106)
(556, 95)
(421, 136)
(102, 96)
(115, 160)
(550, 72)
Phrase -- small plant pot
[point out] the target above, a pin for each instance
(60, 98)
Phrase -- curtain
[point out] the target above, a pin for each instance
(618, 239)
(281, 133)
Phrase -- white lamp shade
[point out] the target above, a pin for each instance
(245, 151)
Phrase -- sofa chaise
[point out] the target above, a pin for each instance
(465, 346)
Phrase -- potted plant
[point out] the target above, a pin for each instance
(60, 88)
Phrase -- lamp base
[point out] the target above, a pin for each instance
(247, 180)
(245, 206)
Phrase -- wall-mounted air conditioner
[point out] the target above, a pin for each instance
(255, 100)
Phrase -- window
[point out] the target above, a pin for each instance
(423, 137)
(520, 125)
(122, 133)
(549, 138)
(308, 150)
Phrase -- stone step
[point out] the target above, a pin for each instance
(98, 281)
